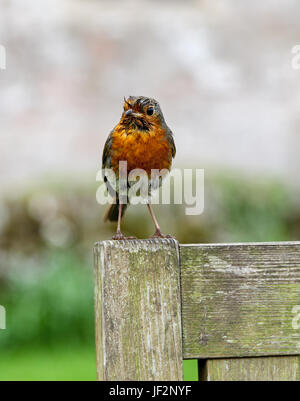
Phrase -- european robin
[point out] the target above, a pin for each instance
(142, 139)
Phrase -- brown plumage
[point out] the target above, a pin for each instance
(143, 139)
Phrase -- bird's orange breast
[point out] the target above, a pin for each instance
(146, 150)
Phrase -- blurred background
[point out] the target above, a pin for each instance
(222, 72)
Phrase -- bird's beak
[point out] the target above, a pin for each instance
(130, 113)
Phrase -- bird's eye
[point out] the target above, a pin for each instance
(150, 111)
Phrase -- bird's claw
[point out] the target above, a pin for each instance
(159, 234)
(121, 237)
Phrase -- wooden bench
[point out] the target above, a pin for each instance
(234, 307)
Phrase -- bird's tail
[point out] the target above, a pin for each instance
(113, 212)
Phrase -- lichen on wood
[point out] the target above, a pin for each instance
(238, 299)
(138, 310)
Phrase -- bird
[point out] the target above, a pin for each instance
(142, 139)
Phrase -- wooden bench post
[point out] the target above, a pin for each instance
(138, 310)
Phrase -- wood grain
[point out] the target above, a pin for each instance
(237, 300)
(269, 368)
(137, 309)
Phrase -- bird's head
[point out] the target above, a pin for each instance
(142, 113)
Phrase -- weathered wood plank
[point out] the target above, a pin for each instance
(138, 317)
(269, 368)
(238, 300)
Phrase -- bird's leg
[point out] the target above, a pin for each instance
(158, 233)
(119, 235)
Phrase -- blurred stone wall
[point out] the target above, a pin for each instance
(220, 69)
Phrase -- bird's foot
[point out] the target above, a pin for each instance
(119, 237)
(159, 234)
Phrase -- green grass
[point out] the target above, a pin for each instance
(61, 363)
(190, 370)
(49, 364)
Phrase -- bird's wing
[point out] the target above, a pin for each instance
(171, 142)
(106, 157)
(106, 164)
